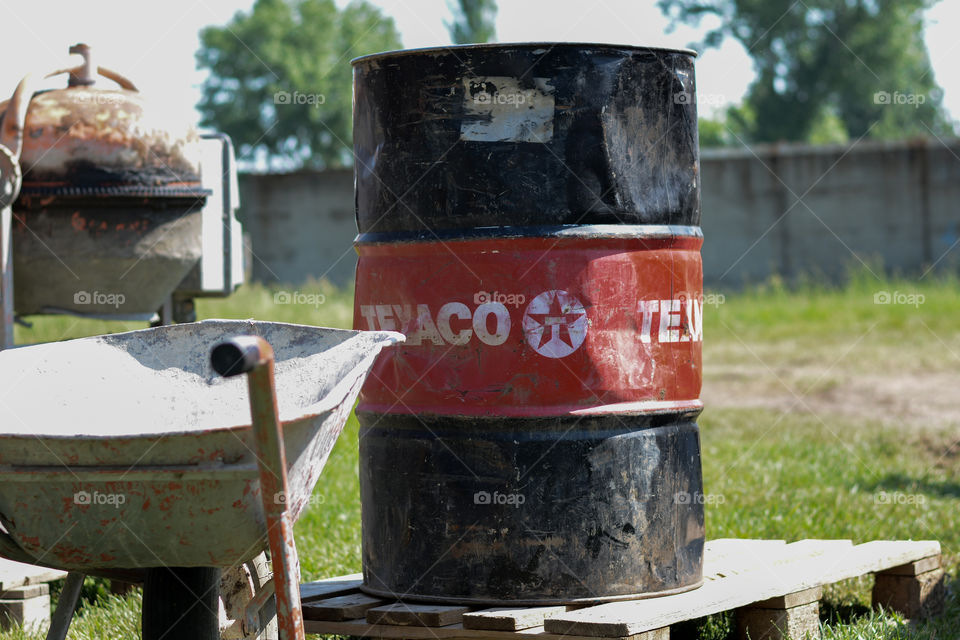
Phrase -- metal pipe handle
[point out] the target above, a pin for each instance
(254, 356)
(240, 355)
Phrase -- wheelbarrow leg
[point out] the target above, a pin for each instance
(253, 356)
(66, 605)
(181, 603)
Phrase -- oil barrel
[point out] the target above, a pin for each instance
(528, 217)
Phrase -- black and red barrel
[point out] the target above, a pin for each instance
(529, 217)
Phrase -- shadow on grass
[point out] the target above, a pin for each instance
(854, 621)
(721, 626)
(842, 612)
(901, 482)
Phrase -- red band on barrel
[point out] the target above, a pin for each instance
(537, 326)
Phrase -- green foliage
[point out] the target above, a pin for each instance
(713, 133)
(828, 69)
(474, 21)
(280, 80)
(828, 128)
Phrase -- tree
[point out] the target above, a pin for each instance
(474, 21)
(280, 81)
(827, 69)
(713, 132)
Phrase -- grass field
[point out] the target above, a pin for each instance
(830, 414)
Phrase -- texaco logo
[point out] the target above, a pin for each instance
(555, 324)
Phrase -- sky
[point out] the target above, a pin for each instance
(154, 43)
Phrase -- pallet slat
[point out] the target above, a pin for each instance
(509, 618)
(725, 556)
(803, 565)
(629, 618)
(361, 628)
(886, 554)
(916, 567)
(16, 574)
(421, 615)
(320, 589)
(27, 592)
(348, 607)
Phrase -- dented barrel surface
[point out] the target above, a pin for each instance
(525, 134)
(591, 320)
(541, 511)
(529, 219)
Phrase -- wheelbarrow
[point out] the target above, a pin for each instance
(134, 456)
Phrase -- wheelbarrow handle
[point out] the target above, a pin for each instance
(239, 355)
(254, 356)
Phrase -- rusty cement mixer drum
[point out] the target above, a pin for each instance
(529, 217)
(108, 220)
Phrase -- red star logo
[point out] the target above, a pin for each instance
(556, 323)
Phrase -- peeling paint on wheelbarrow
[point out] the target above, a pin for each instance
(128, 451)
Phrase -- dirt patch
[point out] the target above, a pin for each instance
(912, 399)
(943, 448)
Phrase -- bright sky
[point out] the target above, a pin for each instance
(153, 43)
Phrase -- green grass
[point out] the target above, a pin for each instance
(252, 301)
(810, 320)
(99, 617)
(774, 472)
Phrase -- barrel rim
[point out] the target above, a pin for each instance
(683, 408)
(531, 602)
(620, 231)
(396, 53)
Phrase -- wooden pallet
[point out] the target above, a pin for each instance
(773, 587)
(25, 594)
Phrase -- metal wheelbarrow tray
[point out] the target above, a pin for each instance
(128, 451)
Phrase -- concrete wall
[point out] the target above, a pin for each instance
(300, 224)
(783, 209)
(821, 210)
